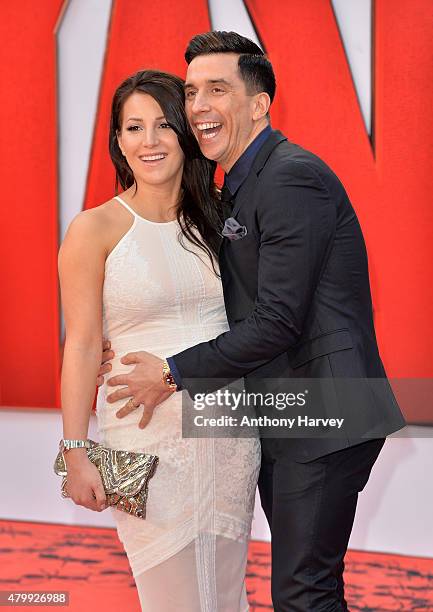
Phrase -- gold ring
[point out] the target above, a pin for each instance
(131, 404)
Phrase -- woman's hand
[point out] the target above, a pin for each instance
(84, 482)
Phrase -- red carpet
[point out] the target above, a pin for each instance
(91, 564)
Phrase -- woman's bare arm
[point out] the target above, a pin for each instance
(81, 271)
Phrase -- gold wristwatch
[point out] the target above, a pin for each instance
(168, 377)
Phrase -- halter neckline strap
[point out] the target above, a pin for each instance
(132, 211)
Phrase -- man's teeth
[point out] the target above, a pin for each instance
(152, 157)
(207, 126)
(204, 127)
(209, 135)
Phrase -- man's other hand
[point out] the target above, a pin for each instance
(107, 355)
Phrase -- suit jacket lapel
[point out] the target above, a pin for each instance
(274, 139)
(227, 209)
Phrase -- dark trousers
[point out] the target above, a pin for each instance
(310, 508)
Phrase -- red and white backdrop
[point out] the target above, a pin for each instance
(354, 85)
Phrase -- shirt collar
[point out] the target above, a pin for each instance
(239, 172)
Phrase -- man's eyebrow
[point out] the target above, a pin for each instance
(213, 81)
(209, 81)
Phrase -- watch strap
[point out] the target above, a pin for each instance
(168, 376)
(68, 444)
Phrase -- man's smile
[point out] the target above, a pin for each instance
(208, 130)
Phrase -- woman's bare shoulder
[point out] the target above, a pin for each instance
(97, 229)
(94, 220)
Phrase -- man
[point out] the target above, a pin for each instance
(298, 302)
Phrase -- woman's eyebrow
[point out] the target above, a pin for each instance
(141, 120)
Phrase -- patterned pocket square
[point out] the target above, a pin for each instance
(232, 230)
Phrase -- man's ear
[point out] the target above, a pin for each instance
(261, 106)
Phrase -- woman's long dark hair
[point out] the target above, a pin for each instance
(199, 205)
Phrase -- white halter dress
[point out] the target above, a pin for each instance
(190, 552)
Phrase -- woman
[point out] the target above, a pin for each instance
(141, 270)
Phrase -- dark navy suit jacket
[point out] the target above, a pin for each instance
(297, 295)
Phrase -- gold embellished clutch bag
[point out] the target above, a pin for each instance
(125, 476)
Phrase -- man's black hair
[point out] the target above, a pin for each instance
(255, 69)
